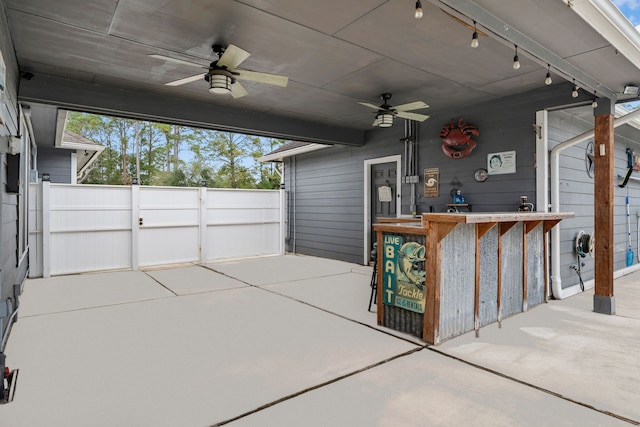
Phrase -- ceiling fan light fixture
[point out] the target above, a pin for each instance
(385, 120)
(419, 14)
(219, 84)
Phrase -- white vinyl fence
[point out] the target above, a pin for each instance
(80, 228)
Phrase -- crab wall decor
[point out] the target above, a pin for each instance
(456, 140)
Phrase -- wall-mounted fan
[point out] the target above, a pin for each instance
(223, 75)
(386, 112)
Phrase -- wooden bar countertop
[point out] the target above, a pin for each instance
(480, 217)
(408, 225)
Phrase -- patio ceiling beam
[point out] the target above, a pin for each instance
(508, 35)
(101, 98)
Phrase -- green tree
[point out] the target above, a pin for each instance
(230, 150)
(112, 166)
(154, 152)
(268, 173)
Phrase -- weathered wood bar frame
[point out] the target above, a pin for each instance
(515, 242)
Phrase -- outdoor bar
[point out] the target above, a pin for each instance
(451, 273)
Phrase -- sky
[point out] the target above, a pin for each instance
(630, 9)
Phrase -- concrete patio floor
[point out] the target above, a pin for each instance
(288, 341)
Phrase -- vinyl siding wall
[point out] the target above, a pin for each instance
(326, 198)
(56, 162)
(577, 188)
(11, 273)
(326, 193)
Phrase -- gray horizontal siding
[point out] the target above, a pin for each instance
(10, 272)
(577, 195)
(55, 162)
(328, 200)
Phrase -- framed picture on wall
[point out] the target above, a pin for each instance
(431, 179)
(501, 163)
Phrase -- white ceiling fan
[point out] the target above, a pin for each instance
(386, 113)
(222, 74)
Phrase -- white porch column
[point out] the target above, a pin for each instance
(46, 226)
(135, 226)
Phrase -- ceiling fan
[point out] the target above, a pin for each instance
(222, 74)
(386, 113)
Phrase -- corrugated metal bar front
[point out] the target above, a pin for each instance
(512, 271)
(457, 291)
(489, 277)
(535, 266)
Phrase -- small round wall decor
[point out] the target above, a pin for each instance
(481, 175)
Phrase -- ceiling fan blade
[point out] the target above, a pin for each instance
(271, 79)
(232, 57)
(238, 91)
(412, 116)
(366, 104)
(185, 80)
(177, 61)
(376, 122)
(411, 106)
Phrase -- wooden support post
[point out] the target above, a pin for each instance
(604, 179)
(435, 232)
(432, 284)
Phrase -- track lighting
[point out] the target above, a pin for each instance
(574, 92)
(474, 38)
(594, 104)
(548, 80)
(419, 12)
(516, 62)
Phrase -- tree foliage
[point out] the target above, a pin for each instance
(174, 155)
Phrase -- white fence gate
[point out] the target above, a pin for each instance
(80, 228)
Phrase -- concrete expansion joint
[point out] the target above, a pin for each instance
(160, 283)
(317, 386)
(535, 387)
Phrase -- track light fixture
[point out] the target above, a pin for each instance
(474, 38)
(516, 62)
(548, 80)
(419, 12)
(574, 92)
